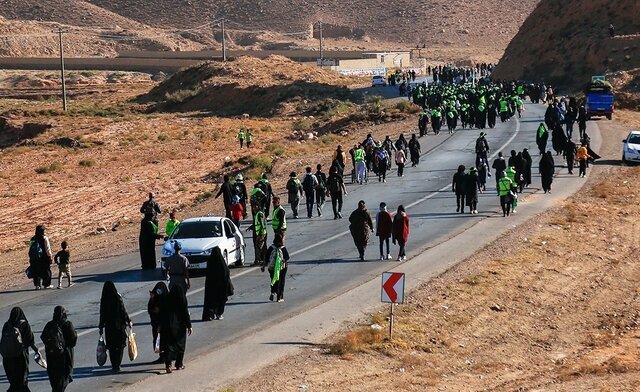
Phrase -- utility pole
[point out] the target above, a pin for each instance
(64, 86)
(224, 46)
(321, 45)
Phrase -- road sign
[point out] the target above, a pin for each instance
(392, 287)
(598, 77)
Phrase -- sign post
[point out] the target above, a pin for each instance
(392, 292)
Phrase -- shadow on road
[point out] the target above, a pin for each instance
(122, 276)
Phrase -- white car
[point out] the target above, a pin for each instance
(198, 237)
(631, 147)
(378, 81)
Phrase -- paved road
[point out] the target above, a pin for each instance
(324, 263)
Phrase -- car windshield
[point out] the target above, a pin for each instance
(634, 139)
(198, 230)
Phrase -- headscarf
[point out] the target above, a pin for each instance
(59, 314)
(16, 316)
(109, 301)
(216, 263)
(362, 205)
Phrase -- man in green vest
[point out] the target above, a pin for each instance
(249, 137)
(172, 223)
(259, 228)
(278, 219)
(358, 158)
(504, 109)
(504, 191)
(241, 136)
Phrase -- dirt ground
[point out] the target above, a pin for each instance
(90, 194)
(554, 305)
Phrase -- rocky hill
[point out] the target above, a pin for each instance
(565, 42)
(261, 24)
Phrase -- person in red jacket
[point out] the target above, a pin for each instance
(236, 211)
(400, 232)
(384, 223)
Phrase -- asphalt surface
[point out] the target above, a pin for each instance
(324, 262)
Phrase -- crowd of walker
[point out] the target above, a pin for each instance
(476, 105)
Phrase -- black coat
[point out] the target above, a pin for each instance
(175, 320)
(147, 244)
(114, 319)
(217, 286)
(17, 369)
(60, 367)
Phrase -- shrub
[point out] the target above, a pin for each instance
(87, 162)
(180, 96)
(303, 124)
(55, 166)
(263, 162)
(203, 196)
(163, 137)
(275, 149)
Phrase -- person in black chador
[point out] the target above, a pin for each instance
(176, 324)
(16, 364)
(114, 320)
(157, 301)
(147, 242)
(59, 356)
(217, 287)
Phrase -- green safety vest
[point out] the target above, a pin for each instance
(503, 106)
(249, 137)
(171, 226)
(241, 135)
(436, 113)
(481, 108)
(358, 155)
(511, 174)
(259, 224)
(520, 89)
(275, 222)
(541, 131)
(504, 186)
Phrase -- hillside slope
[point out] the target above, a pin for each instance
(349, 24)
(565, 42)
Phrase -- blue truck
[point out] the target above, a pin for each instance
(599, 99)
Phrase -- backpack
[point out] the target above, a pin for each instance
(307, 183)
(35, 250)
(277, 253)
(148, 208)
(333, 184)
(11, 342)
(322, 185)
(480, 145)
(292, 185)
(53, 339)
(257, 197)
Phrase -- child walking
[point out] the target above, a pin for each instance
(62, 259)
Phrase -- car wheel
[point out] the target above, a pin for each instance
(609, 116)
(225, 256)
(624, 158)
(240, 260)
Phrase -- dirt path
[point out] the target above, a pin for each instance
(553, 305)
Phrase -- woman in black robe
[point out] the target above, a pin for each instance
(547, 168)
(17, 368)
(60, 365)
(217, 287)
(558, 139)
(527, 163)
(147, 242)
(174, 327)
(157, 301)
(360, 227)
(113, 321)
(542, 136)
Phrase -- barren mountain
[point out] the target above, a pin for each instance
(565, 42)
(101, 27)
